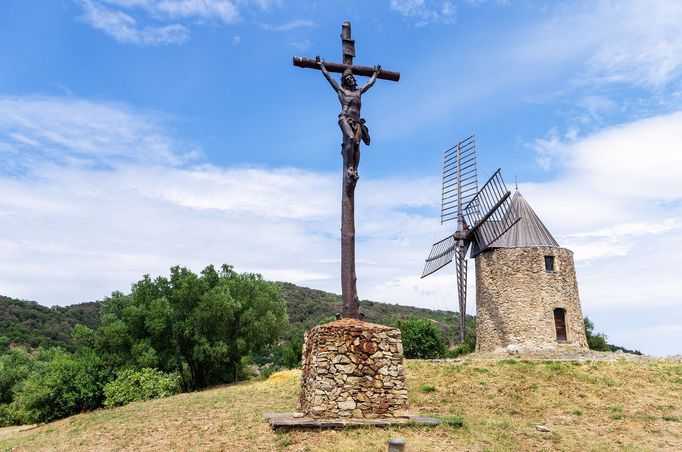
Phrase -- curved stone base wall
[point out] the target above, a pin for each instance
(353, 369)
(516, 297)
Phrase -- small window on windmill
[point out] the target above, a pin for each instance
(549, 263)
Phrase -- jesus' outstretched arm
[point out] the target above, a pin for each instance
(371, 81)
(326, 74)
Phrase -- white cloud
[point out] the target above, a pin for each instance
(222, 10)
(40, 130)
(291, 25)
(124, 28)
(424, 12)
(125, 20)
(642, 44)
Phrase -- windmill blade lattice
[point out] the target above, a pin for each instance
(441, 255)
(495, 201)
(460, 178)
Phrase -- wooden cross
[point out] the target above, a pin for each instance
(349, 292)
(348, 49)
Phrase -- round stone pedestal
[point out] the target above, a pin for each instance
(353, 369)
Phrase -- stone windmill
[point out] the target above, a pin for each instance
(526, 289)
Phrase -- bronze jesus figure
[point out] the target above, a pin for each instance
(352, 125)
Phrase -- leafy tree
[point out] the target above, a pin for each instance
(421, 339)
(200, 326)
(595, 341)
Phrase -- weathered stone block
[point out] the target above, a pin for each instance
(346, 374)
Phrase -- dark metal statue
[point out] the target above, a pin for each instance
(352, 125)
(354, 130)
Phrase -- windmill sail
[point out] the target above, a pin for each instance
(460, 178)
(491, 213)
(483, 216)
(441, 255)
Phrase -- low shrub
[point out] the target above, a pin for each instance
(59, 385)
(133, 386)
(421, 339)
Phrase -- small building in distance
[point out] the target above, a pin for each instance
(526, 290)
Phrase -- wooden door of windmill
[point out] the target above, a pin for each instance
(560, 324)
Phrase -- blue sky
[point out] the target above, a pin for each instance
(139, 134)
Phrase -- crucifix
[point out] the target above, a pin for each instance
(354, 130)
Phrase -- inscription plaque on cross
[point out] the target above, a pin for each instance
(354, 130)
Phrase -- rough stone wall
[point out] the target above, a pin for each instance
(353, 369)
(516, 298)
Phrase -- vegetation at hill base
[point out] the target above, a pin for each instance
(181, 333)
(186, 332)
(491, 405)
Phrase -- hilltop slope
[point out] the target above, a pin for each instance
(586, 406)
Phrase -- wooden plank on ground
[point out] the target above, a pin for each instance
(288, 421)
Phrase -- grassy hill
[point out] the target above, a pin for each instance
(27, 322)
(586, 406)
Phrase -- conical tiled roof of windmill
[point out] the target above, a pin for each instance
(528, 231)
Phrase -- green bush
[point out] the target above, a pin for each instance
(15, 366)
(466, 347)
(134, 386)
(9, 415)
(59, 385)
(293, 351)
(421, 339)
(458, 350)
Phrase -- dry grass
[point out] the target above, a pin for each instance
(587, 406)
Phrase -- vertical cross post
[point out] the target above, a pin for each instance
(349, 121)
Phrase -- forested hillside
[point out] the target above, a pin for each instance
(27, 322)
(308, 307)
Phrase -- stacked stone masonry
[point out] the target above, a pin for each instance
(353, 369)
(516, 297)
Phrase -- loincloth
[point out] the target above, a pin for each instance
(355, 122)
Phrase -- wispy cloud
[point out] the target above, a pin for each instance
(158, 22)
(80, 133)
(641, 46)
(616, 57)
(126, 29)
(292, 25)
(424, 12)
